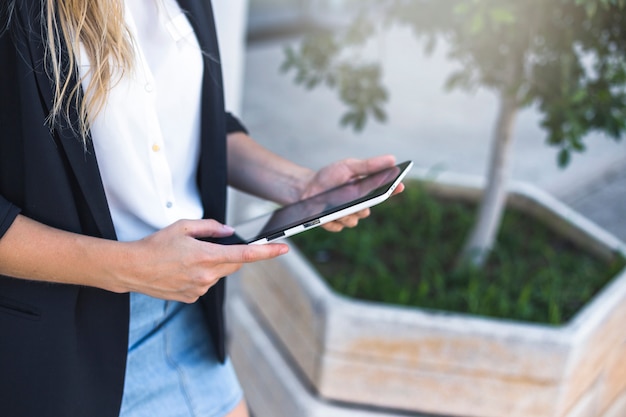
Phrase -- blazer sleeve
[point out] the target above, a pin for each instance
(234, 125)
(8, 210)
(8, 213)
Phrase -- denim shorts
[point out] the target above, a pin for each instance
(172, 369)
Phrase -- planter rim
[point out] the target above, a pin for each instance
(460, 323)
(583, 322)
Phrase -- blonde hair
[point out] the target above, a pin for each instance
(97, 25)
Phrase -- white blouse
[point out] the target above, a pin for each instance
(147, 143)
(146, 138)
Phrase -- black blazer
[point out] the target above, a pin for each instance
(63, 347)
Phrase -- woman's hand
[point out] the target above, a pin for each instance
(173, 264)
(340, 172)
(260, 172)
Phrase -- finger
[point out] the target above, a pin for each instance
(206, 228)
(250, 253)
(202, 283)
(354, 218)
(333, 227)
(370, 165)
(347, 221)
(350, 221)
(399, 189)
(215, 274)
(363, 213)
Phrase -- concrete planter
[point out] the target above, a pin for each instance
(350, 357)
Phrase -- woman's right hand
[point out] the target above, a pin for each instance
(173, 264)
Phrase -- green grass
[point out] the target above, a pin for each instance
(406, 251)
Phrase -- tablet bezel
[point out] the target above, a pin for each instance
(374, 197)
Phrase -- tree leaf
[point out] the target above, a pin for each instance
(564, 157)
(591, 8)
(348, 119)
(501, 15)
(379, 114)
(477, 24)
(579, 96)
(458, 79)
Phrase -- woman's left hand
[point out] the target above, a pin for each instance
(340, 172)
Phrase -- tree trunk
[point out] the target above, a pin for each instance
(482, 237)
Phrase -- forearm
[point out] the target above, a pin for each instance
(171, 264)
(258, 171)
(38, 252)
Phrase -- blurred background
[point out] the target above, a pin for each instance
(439, 130)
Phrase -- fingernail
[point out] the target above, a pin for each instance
(227, 228)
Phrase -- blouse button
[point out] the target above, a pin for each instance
(156, 148)
(169, 204)
(149, 88)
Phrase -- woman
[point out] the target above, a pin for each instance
(112, 133)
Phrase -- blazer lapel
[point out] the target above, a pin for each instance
(212, 168)
(85, 166)
(198, 14)
(81, 158)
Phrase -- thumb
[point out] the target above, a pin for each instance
(371, 165)
(207, 228)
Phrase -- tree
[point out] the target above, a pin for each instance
(568, 57)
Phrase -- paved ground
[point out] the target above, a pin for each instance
(440, 131)
(604, 200)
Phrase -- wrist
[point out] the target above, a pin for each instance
(114, 262)
(299, 184)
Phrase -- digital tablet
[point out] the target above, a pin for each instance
(322, 208)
